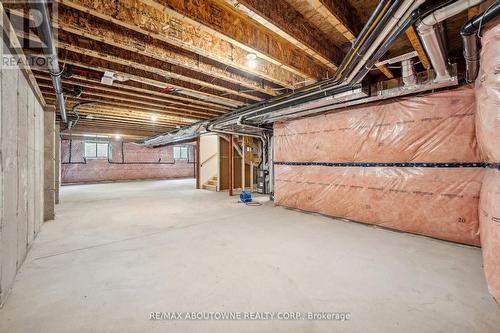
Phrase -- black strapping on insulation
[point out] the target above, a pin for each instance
(396, 164)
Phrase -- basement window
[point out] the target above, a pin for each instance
(96, 150)
(180, 152)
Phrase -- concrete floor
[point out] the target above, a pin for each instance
(120, 251)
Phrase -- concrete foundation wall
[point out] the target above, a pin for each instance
(49, 162)
(137, 163)
(21, 173)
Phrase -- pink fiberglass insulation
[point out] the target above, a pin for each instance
(437, 202)
(488, 134)
(488, 95)
(437, 127)
(489, 219)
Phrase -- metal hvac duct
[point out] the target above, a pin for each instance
(378, 38)
(432, 42)
(40, 9)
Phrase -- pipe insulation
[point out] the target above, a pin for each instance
(41, 11)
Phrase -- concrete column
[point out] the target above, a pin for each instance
(57, 139)
(49, 184)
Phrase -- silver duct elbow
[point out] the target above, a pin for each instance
(431, 39)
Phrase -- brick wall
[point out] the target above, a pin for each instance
(138, 162)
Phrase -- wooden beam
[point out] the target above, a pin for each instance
(109, 130)
(85, 25)
(473, 11)
(340, 15)
(177, 76)
(219, 20)
(182, 78)
(151, 92)
(117, 103)
(415, 42)
(139, 75)
(386, 71)
(141, 101)
(231, 168)
(111, 112)
(184, 109)
(173, 28)
(103, 89)
(198, 163)
(281, 18)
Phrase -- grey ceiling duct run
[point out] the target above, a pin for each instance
(343, 89)
(41, 11)
(471, 40)
(430, 35)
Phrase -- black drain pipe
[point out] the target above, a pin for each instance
(471, 42)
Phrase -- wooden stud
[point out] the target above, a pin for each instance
(231, 162)
(198, 163)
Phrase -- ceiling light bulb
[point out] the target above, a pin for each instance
(89, 116)
(251, 56)
(118, 136)
(154, 117)
(252, 63)
(251, 60)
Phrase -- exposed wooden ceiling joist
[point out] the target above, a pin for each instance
(142, 76)
(175, 29)
(219, 20)
(178, 60)
(116, 101)
(284, 20)
(417, 46)
(104, 89)
(151, 92)
(85, 129)
(177, 76)
(340, 15)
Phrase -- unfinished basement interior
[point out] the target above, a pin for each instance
(250, 166)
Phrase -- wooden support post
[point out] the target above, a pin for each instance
(231, 171)
(242, 163)
(197, 158)
(251, 176)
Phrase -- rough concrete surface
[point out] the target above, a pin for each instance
(118, 251)
(49, 151)
(21, 169)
